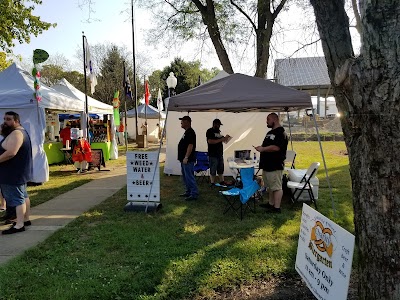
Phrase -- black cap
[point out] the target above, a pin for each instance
(186, 118)
(217, 121)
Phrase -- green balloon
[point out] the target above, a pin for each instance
(39, 56)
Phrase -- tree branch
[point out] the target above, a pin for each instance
(200, 6)
(356, 15)
(279, 8)
(306, 45)
(244, 13)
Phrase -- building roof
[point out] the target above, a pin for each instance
(305, 73)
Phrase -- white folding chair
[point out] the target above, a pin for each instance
(297, 188)
(289, 160)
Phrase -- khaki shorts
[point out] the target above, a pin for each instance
(273, 180)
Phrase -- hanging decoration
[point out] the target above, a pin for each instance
(39, 56)
(116, 104)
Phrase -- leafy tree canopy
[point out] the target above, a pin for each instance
(18, 22)
(4, 62)
(187, 74)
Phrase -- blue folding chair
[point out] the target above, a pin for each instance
(202, 165)
(238, 198)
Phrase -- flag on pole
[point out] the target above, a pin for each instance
(126, 84)
(89, 67)
(160, 105)
(147, 94)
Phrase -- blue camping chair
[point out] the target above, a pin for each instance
(202, 165)
(238, 198)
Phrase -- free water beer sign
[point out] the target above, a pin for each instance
(143, 176)
(324, 255)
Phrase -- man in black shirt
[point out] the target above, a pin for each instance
(272, 157)
(216, 151)
(187, 158)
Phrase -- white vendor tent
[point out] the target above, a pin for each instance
(153, 118)
(224, 99)
(16, 94)
(94, 106)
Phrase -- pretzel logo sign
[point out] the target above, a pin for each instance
(322, 238)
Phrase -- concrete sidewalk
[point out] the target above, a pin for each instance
(56, 213)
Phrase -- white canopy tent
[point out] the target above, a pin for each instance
(16, 94)
(154, 117)
(240, 102)
(94, 106)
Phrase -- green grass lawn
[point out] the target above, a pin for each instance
(184, 251)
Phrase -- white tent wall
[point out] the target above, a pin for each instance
(246, 129)
(35, 128)
(152, 129)
(16, 94)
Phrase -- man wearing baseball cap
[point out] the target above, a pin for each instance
(187, 158)
(216, 151)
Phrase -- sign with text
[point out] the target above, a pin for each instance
(97, 158)
(324, 255)
(143, 176)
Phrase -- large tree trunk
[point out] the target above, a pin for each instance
(367, 91)
(209, 19)
(265, 24)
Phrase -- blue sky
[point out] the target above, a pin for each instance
(112, 24)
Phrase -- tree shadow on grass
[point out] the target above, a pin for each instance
(187, 250)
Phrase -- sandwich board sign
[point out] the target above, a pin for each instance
(143, 177)
(324, 255)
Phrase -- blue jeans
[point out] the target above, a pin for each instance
(188, 179)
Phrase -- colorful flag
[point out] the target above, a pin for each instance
(89, 67)
(126, 84)
(160, 105)
(116, 104)
(147, 94)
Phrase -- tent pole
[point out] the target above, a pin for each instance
(290, 130)
(323, 159)
(84, 120)
(159, 151)
(134, 70)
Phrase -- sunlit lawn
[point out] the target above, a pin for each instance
(184, 251)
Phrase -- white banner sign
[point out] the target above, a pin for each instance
(143, 176)
(324, 255)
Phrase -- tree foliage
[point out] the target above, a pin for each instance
(111, 74)
(18, 22)
(4, 62)
(187, 74)
(226, 23)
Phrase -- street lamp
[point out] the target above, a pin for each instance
(171, 83)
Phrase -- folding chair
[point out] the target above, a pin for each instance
(289, 160)
(238, 198)
(297, 188)
(202, 165)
